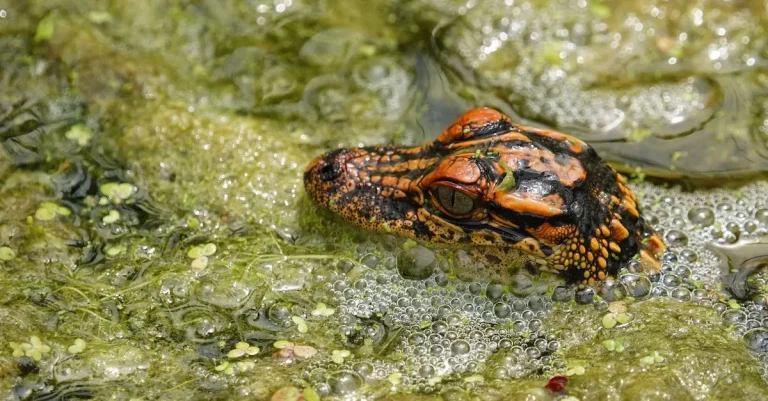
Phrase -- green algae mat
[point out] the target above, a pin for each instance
(156, 241)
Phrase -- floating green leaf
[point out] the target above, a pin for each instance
(508, 182)
(80, 134)
(45, 28)
(7, 253)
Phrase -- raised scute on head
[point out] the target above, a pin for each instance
(548, 206)
(460, 169)
(475, 123)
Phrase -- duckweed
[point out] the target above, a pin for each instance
(111, 217)
(80, 134)
(77, 347)
(338, 356)
(115, 250)
(613, 345)
(323, 310)
(395, 378)
(34, 349)
(609, 320)
(474, 379)
(225, 367)
(49, 210)
(199, 263)
(652, 358)
(301, 324)
(116, 191)
(203, 250)
(45, 28)
(242, 349)
(576, 370)
(6, 253)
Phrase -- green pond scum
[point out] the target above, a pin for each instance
(156, 241)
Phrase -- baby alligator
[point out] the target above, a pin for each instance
(514, 196)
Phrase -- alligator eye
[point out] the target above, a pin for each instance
(455, 202)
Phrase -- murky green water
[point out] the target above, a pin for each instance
(156, 242)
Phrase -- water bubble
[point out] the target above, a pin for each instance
(494, 291)
(518, 326)
(725, 207)
(762, 216)
(637, 286)
(757, 340)
(364, 369)
(460, 347)
(659, 292)
(370, 260)
(669, 257)
(732, 227)
(426, 371)
(417, 339)
(501, 373)
(416, 263)
(750, 227)
(439, 327)
(534, 325)
(475, 288)
(671, 280)
(536, 303)
(585, 296)
(676, 238)
(682, 271)
(702, 216)
(279, 313)
(344, 266)
(562, 294)
(344, 381)
(681, 294)
(501, 310)
(612, 291)
(453, 319)
(689, 255)
(734, 317)
(720, 307)
(519, 305)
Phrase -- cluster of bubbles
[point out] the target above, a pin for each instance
(447, 329)
(554, 62)
(555, 97)
(441, 327)
(696, 225)
(712, 235)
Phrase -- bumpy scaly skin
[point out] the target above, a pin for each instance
(538, 196)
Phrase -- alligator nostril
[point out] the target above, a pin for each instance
(330, 172)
